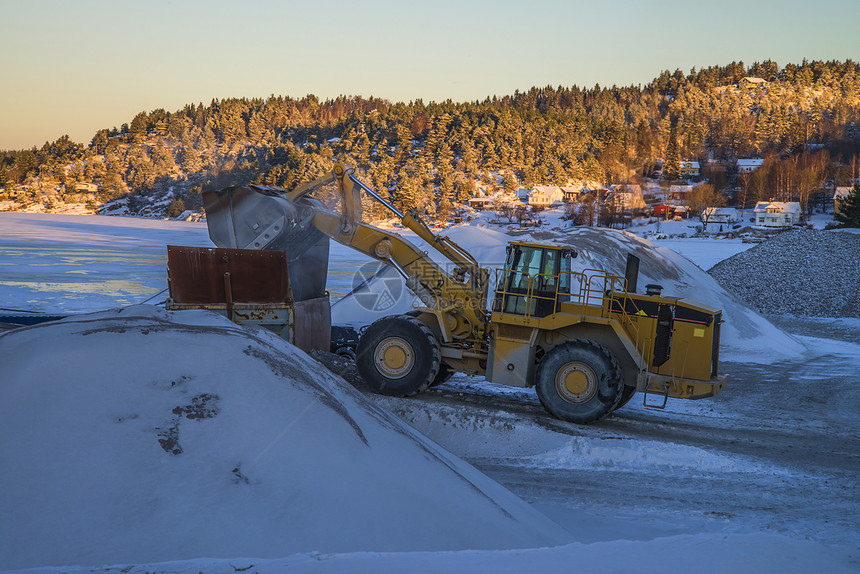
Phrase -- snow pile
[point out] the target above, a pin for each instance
(485, 244)
(801, 272)
(147, 436)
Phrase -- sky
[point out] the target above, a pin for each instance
(72, 68)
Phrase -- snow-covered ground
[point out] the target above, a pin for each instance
(284, 467)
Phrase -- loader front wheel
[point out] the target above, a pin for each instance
(445, 373)
(579, 381)
(398, 356)
(626, 394)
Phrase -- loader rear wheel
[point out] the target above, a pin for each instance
(579, 381)
(398, 356)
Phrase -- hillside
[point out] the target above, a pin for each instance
(804, 118)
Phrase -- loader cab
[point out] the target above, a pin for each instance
(536, 277)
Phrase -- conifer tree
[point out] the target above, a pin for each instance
(510, 185)
(406, 196)
(848, 212)
(446, 191)
(465, 189)
(672, 161)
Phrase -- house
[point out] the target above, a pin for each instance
(628, 197)
(681, 212)
(840, 194)
(749, 165)
(523, 194)
(776, 214)
(545, 195)
(17, 191)
(750, 83)
(720, 215)
(680, 192)
(481, 203)
(86, 188)
(572, 194)
(663, 210)
(689, 168)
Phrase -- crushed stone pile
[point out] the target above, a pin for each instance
(802, 272)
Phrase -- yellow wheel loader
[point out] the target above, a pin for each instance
(585, 339)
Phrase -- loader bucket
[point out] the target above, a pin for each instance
(246, 218)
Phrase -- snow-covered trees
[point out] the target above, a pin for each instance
(437, 152)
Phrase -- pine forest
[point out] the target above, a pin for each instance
(802, 120)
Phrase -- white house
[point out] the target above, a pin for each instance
(523, 194)
(86, 188)
(749, 165)
(545, 195)
(776, 214)
(720, 215)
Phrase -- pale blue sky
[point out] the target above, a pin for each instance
(76, 66)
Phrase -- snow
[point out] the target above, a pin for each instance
(76, 263)
(704, 553)
(236, 440)
(602, 453)
(280, 478)
(705, 252)
(58, 208)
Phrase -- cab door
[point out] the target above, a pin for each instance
(529, 283)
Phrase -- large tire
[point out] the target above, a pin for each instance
(445, 373)
(626, 394)
(579, 381)
(398, 356)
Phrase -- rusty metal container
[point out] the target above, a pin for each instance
(248, 287)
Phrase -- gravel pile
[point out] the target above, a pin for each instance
(801, 272)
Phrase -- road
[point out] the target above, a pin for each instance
(779, 450)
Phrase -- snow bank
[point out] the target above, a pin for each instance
(588, 453)
(141, 436)
(703, 553)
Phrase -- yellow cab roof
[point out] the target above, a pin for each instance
(541, 244)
